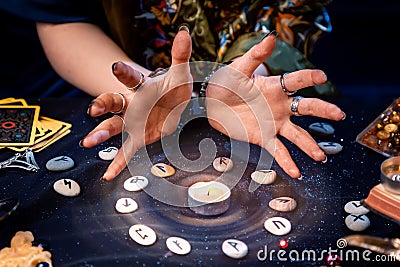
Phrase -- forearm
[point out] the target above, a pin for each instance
(83, 54)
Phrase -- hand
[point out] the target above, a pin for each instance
(154, 109)
(255, 109)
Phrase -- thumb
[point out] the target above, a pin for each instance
(253, 58)
(182, 46)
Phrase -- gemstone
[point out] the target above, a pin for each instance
(278, 225)
(383, 135)
(178, 245)
(222, 164)
(395, 117)
(108, 153)
(162, 170)
(67, 187)
(391, 128)
(357, 222)
(234, 248)
(283, 204)
(330, 148)
(264, 176)
(60, 163)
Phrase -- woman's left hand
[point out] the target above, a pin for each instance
(256, 109)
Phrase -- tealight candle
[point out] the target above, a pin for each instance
(209, 198)
(390, 174)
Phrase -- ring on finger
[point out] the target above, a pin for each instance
(123, 121)
(284, 89)
(123, 104)
(137, 86)
(294, 105)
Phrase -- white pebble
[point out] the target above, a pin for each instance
(357, 222)
(67, 187)
(136, 183)
(278, 225)
(126, 205)
(142, 234)
(283, 204)
(178, 245)
(321, 128)
(162, 170)
(108, 153)
(355, 207)
(234, 248)
(264, 176)
(223, 164)
(330, 148)
(61, 163)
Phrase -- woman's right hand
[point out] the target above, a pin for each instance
(154, 110)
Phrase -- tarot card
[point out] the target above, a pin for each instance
(18, 125)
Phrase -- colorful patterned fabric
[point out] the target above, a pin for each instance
(220, 30)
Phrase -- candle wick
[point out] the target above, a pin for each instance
(208, 192)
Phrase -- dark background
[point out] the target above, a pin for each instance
(361, 54)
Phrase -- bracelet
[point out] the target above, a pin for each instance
(204, 84)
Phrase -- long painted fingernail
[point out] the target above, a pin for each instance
(344, 116)
(184, 27)
(89, 109)
(114, 66)
(80, 144)
(325, 160)
(274, 32)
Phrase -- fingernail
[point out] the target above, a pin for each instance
(274, 32)
(102, 178)
(80, 144)
(300, 178)
(325, 160)
(344, 116)
(184, 27)
(114, 66)
(89, 108)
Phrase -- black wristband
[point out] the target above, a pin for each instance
(204, 84)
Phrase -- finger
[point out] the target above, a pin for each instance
(124, 154)
(319, 108)
(126, 74)
(300, 79)
(181, 47)
(253, 58)
(106, 129)
(303, 140)
(283, 158)
(107, 102)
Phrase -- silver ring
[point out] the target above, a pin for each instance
(284, 89)
(294, 106)
(123, 104)
(123, 121)
(137, 86)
